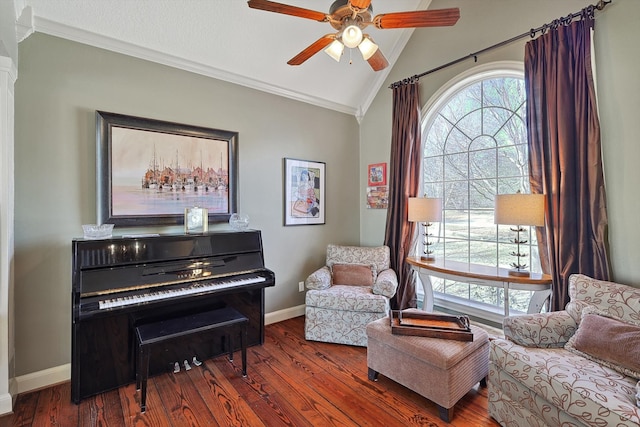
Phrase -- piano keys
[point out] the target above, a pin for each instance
(120, 283)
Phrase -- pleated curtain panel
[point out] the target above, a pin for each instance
(404, 182)
(565, 160)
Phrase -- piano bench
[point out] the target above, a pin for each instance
(228, 319)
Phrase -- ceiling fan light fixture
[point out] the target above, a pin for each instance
(335, 50)
(352, 36)
(367, 48)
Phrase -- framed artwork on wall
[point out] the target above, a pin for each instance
(377, 175)
(378, 197)
(304, 192)
(149, 171)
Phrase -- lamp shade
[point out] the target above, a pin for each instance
(335, 50)
(367, 47)
(519, 209)
(424, 209)
(352, 36)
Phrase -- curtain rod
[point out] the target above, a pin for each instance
(589, 10)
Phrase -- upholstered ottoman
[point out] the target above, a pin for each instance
(441, 370)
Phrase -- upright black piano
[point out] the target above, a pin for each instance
(120, 283)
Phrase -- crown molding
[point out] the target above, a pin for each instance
(57, 29)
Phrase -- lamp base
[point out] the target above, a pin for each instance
(428, 258)
(519, 273)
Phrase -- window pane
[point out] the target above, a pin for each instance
(482, 193)
(433, 169)
(471, 124)
(513, 161)
(456, 250)
(456, 167)
(475, 148)
(456, 225)
(483, 253)
(486, 294)
(494, 119)
(457, 289)
(482, 164)
(456, 142)
(456, 195)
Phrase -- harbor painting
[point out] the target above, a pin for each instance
(150, 171)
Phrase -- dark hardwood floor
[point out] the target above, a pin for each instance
(290, 382)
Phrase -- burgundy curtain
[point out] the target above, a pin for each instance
(565, 159)
(404, 179)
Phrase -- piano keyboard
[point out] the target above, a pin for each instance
(170, 293)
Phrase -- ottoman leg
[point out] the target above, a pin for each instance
(446, 415)
(373, 375)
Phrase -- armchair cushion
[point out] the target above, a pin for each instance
(354, 274)
(348, 298)
(608, 341)
(542, 330)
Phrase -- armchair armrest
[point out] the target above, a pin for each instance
(543, 330)
(319, 279)
(386, 283)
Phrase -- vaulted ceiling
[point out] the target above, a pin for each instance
(227, 40)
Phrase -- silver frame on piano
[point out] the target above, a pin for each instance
(170, 212)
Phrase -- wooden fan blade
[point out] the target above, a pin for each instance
(418, 18)
(360, 4)
(378, 61)
(312, 49)
(271, 6)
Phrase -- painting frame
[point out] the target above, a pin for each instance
(120, 137)
(304, 203)
(377, 175)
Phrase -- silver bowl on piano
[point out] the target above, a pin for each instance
(95, 231)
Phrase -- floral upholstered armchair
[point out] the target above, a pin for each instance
(351, 290)
(575, 367)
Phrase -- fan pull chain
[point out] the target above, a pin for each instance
(350, 57)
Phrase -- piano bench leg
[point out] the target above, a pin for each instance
(230, 346)
(243, 347)
(143, 374)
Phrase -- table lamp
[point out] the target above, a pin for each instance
(424, 210)
(519, 209)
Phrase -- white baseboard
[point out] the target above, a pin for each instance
(44, 378)
(287, 313)
(6, 404)
(62, 373)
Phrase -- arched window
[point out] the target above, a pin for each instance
(475, 146)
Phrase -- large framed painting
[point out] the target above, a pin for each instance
(304, 194)
(149, 171)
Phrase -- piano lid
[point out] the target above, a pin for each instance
(165, 248)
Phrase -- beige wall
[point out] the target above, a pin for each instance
(60, 86)
(484, 23)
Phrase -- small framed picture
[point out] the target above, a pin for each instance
(304, 199)
(377, 175)
(196, 220)
(378, 197)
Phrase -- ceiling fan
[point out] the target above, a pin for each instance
(350, 17)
